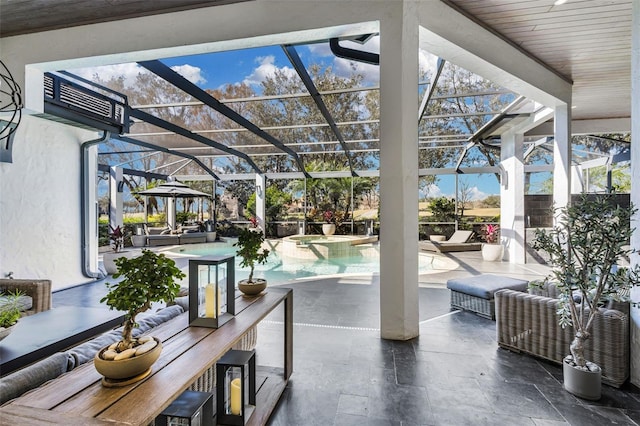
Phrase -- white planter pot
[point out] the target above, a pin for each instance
(492, 252)
(138, 240)
(586, 384)
(108, 259)
(328, 228)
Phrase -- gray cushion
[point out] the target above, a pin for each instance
(15, 384)
(484, 286)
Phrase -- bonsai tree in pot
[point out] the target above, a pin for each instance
(251, 253)
(148, 278)
(584, 248)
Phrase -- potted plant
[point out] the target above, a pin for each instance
(10, 311)
(332, 221)
(492, 250)
(117, 236)
(251, 252)
(148, 278)
(584, 248)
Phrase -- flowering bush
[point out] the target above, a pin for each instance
(491, 233)
(333, 217)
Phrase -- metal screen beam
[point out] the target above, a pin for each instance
(158, 122)
(172, 77)
(168, 151)
(432, 87)
(292, 54)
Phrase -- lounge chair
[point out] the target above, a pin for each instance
(459, 241)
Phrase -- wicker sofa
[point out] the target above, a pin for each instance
(38, 290)
(529, 323)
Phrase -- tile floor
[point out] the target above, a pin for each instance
(452, 374)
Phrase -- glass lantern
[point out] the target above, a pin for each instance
(189, 409)
(236, 387)
(211, 291)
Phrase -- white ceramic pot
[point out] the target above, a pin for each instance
(328, 228)
(492, 252)
(108, 259)
(586, 384)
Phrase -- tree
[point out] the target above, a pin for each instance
(443, 209)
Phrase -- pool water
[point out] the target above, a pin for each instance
(282, 268)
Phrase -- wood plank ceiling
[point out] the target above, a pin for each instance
(588, 42)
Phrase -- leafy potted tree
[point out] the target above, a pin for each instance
(584, 249)
(251, 252)
(148, 278)
(492, 250)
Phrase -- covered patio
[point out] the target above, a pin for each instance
(563, 81)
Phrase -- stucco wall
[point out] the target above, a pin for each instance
(40, 203)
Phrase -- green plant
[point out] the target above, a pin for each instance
(249, 244)
(148, 278)
(11, 308)
(584, 248)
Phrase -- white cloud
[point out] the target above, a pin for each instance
(431, 190)
(128, 71)
(131, 70)
(191, 73)
(427, 62)
(266, 69)
(476, 194)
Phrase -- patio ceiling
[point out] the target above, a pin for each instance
(587, 42)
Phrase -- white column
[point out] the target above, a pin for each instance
(562, 156)
(261, 188)
(512, 226)
(399, 173)
(635, 191)
(115, 197)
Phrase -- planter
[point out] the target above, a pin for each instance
(211, 236)
(254, 288)
(328, 228)
(138, 240)
(130, 369)
(585, 383)
(492, 252)
(108, 259)
(5, 331)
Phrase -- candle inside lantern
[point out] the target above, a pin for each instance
(209, 301)
(236, 396)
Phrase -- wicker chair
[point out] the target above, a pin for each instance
(38, 290)
(529, 323)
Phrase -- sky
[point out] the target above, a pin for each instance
(252, 66)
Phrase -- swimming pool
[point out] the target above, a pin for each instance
(280, 268)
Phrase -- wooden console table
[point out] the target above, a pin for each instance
(78, 397)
